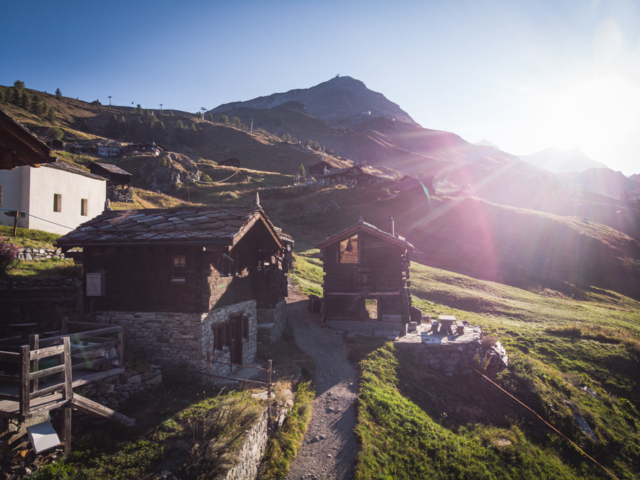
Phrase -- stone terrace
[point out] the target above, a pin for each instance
(449, 353)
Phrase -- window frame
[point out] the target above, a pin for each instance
(57, 203)
(181, 265)
(84, 207)
(341, 251)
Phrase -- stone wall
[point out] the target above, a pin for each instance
(39, 254)
(171, 339)
(251, 453)
(448, 358)
(372, 328)
(272, 322)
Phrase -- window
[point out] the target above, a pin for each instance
(84, 207)
(349, 250)
(371, 308)
(57, 202)
(221, 336)
(179, 268)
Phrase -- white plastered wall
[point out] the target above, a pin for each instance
(31, 190)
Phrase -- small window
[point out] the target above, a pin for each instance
(179, 268)
(84, 207)
(349, 250)
(220, 337)
(371, 308)
(57, 202)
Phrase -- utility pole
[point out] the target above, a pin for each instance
(203, 110)
(161, 106)
(251, 131)
(109, 100)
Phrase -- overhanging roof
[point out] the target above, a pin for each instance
(20, 147)
(364, 227)
(224, 225)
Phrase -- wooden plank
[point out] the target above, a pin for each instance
(10, 357)
(47, 352)
(46, 391)
(38, 300)
(34, 345)
(68, 380)
(234, 379)
(97, 333)
(71, 323)
(93, 339)
(5, 396)
(24, 379)
(93, 363)
(9, 378)
(39, 289)
(46, 372)
(67, 415)
(93, 348)
(90, 407)
(47, 407)
(97, 376)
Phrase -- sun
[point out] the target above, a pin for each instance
(595, 114)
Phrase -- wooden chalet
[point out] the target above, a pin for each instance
(114, 175)
(187, 283)
(356, 175)
(19, 147)
(366, 272)
(230, 162)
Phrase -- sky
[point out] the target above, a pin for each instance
(525, 75)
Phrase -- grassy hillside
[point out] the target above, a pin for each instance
(418, 423)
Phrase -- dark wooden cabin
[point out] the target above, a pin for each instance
(230, 162)
(366, 272)
(196, 278)
(114, 175)
(19, 146)
(415, 185)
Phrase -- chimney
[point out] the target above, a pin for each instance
(390, 226)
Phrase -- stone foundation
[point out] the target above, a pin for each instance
(272, 322)
(171, 339)
(448, 353)
(113, 391)
(370, 328)
(250, 453)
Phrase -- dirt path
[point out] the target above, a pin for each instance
(329, 447)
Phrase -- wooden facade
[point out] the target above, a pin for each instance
(366, 272)
(19, 147)
(114, 175)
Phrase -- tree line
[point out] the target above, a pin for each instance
(35, 104)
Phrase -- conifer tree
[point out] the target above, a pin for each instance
(58, 93)
(18, 85)
(1, 95)
(223, 119)
(302, 171)
(51, 116)
(236, 122)
(170, 113)
(24, 100)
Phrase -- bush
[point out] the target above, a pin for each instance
(8, 254)
(488, 342)
(55, 133)
(205, 178)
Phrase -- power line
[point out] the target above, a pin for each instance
(43, 219)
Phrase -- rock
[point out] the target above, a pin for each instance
(322, 437)
(315, 440)
(155, 381)
(329, 394)
(330, 410)
(106, 388)
(582, 423)
(135, 379)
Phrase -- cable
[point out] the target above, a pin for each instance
(43, 219)
(545, 422)
(213, 183)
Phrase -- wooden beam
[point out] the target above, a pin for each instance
(90, 407)
(46, 352)
(24, 380)
(46, 372)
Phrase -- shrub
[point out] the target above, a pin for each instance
(8, 254)
(205, 178)
(488, 342)
(55, 133)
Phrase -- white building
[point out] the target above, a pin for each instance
(54, 196)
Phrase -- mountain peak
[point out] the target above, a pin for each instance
(341, 100)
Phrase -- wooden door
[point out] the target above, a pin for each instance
(236, 340)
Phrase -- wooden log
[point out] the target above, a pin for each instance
(68, 380)
(24, 380)
(46, 391)
(9, 378)
(47, 352)
(90, 407)
(97, 376)
(93, 363)
(93, 348)
(95, 326)
(46, 372)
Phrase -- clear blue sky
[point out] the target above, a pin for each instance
(525, 75)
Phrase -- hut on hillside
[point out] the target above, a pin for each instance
(115, 175)
(355, 176)
(366, 273)
(230, 162)
(416, 185)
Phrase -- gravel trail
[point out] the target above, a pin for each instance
(329, 448)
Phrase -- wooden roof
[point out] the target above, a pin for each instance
(110, 168)
(368, 228)
(19, 147)
(170, 226)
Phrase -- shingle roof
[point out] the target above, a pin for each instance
(368, 228)
(182, 225)
(72, 169)
(111, 168)
(19, 146)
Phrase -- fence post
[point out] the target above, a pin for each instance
(25, 362)
(34, 342)
(67, 412)
(269, 393)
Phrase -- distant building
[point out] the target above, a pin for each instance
(20, 147)
(114, 175)
(55, 144)
(134, 148)
(320, 168)
(109, 149)
(56, 198)
(356, 176)
(365, 279)
(230, 162)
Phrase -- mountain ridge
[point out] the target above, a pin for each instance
(560, 161)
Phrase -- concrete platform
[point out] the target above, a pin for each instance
(424, 335)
